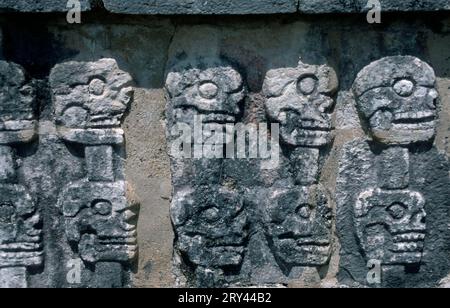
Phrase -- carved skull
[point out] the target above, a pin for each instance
(20, 230)
(17, 105)
(299, 223)
(211, 226)
(396, 98)
(300, 100)
(90, 94)
(209, 89)
(391, 225)
(100, 221)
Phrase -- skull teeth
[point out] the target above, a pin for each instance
(20, 255)
(408, 247)
(409, 237)
(421, 115)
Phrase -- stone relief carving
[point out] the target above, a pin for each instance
(210, 219)
(299, 218)
(391, 180)
(212, 229)
(20, 224)
(100, 213)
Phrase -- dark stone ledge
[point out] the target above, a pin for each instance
(225, 7)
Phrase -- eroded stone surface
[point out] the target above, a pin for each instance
(389, 188)
(100, 217)
(299, 99)
(214, 7)
(41, 5)
(20, 231)
(20, 223)
(351, 6)
(212, 231)
(17, 106)
(90, 95)
(299, 223)
(99, 220)
(396, 97)
(210, 219)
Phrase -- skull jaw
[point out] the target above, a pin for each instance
(305, 137)
(294, 254)
(396, 136)
(92, 251)
(208, 254)
(31, 256)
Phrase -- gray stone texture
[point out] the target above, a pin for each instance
(388, 188)
(40, 6)
(147, 48)
(100, 215)
(212, 7)
(20, 222)
(225, 7)
(355, 6)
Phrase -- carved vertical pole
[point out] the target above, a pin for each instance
(100, 221)
(393, 168)
(299, 218)
(396, 99)
(20, 239)
(305, 164)
(209, 219)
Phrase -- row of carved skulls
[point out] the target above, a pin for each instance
(396, 101)
(395, 97)
(90, 99)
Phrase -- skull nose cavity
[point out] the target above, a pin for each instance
(306, 85)
(404, 87)
(303, 211)
(208, 90)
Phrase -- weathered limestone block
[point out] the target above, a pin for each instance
(213, 7)
(100, 214)
(40, 5)
(393, 188)
(299, 218)
(20, 230)
(356, 6)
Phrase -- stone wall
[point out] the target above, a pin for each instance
(87, 116)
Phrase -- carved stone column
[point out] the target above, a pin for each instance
(210, 219)
(90, 101)
(387, 184)
(20, 232)
(299, 219)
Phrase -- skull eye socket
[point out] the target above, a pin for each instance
(404, 87)
(397, 211)
(7, 212)
(208, 90)
(102, 207)
(306, 85)
(211, 215)
(304, 211)
(97, 87)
